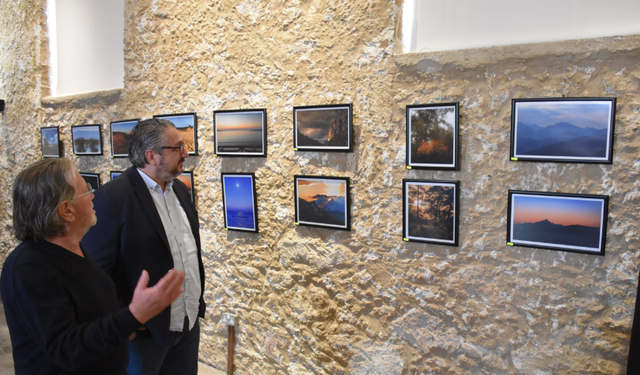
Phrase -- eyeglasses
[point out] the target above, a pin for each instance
(181, 147)
(89, 191)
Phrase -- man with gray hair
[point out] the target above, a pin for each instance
(61, 308)
(146, 220)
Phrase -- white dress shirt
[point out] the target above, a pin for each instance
(183, 250)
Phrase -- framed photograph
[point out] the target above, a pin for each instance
(187, 178)
(92, 178)
(240, 132)
(323, 128)
(432, 136)
(578, 130)
(50, 137)
(121, 137)
(186, 123)
(86, 139)
(557, 221)
(431, 211)
(239, 202)
(114, 174)
(323, 201)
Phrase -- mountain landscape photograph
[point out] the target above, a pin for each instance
(561, 222)
(322, 127)
(578, 130)
(322, 202)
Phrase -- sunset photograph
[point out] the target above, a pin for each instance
(240, 133)
(322, 201)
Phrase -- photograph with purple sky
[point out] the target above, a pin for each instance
(583, 114)
(558, 210)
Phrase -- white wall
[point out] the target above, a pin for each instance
(88, 45)
(441, 25)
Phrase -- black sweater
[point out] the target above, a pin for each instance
(63, 313)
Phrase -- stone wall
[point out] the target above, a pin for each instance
(318, 301)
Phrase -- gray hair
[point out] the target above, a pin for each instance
(149, 134)
(37, 192)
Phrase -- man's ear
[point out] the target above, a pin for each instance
(150, 156)
(67, 212)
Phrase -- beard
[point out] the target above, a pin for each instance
(166, 173)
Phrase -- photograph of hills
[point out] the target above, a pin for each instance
(185, 124)
(570, 130)
(121, 137)
(561, 222)
(432, 136)
(430, 211)
(319, 127)
(239, 132)
(239, 202)
(322, 201)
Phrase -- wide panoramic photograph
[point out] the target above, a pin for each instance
(579, 130)
(322, 202)
(562, 222)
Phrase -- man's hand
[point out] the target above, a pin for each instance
(149, 302)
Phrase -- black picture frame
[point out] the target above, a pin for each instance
(86, 139)
(430, 211)
(114, 174)
(187, 125)
(50, 141)
(323, 128)
(120, 135)
(433, 133)
(240, 132)
(570, 130)
(323, 201)
(187, 178)
(92, 178)
(558, 221)
(239, 202)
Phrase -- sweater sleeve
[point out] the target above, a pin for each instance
(48, 314)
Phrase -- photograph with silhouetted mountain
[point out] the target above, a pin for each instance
(430, 211)
(563, 129)
(322, 201)
(323, 127)
(571, 222)
(432, 136)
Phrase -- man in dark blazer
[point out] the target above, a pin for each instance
(146, 221)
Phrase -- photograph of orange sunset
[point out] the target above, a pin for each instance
(559, 221)
(322, 201)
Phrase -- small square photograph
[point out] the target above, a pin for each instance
(114, 174)
(431, 211)
(239, 202)
(323, 202)
(576, 130)
(187, 178)
(92, 178)
(432, 136)
(323, 128)
(50, 142)
(186, 123)
(121, 137)
(240, 132)
(558, 221)
(86, 139)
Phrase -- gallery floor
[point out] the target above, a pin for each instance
(6, 360)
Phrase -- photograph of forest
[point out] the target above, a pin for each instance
(430, 211)
(432, 136)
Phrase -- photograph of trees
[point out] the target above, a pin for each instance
(430, 211)
(432, 136)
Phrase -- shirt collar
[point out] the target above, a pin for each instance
(152, 185)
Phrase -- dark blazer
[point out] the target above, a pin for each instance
(129, 237)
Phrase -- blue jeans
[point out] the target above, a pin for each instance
(178, 355)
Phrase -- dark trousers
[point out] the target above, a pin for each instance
(178, 355)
